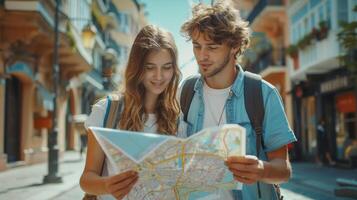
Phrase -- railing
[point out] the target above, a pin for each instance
(259, 7)
(122, 18)
(275, 2)
(270, 58)
(114, 45)
(100, 31)
(78, 12)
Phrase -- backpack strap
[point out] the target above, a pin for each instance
(253, 99)
(187, 93)
(112, 115)
(254, 105)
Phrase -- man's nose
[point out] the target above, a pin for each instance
(204, 54)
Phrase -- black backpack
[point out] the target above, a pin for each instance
(254, 105)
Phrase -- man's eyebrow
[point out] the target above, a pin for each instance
(213, 44)
(210, 44)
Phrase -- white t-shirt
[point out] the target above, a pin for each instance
(215, 110)
(96, 117)
(215, 100)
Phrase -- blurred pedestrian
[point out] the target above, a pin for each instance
(323, 152)
(150, 105)
(79, 124)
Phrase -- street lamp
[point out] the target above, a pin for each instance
(88, 36)
(52, 176)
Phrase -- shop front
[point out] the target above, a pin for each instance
(338, 107)
(345, 124)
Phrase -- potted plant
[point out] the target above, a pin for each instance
(305, 41)
(293, 52)
(323, 30)
(314, 33)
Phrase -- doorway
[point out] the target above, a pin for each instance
(12, 119)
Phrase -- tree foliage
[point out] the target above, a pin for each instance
(347, 37)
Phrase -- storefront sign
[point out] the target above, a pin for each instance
(346, 102)
(334, 84)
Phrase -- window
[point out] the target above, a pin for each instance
(306, 26)
(295, 36)
(353, 16)
(321, 13)
(97, 61)
(328, 12)
(312, 20)
(314, 3)
(342, 11)
(104, 5)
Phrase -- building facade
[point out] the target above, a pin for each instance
(322, 87)
(266, 55)
(86, 69)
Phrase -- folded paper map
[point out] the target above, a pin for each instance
(171, 167)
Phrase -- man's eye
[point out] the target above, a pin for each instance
(213, 47)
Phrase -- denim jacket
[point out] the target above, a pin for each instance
(276, 130)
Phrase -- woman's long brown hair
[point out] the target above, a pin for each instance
(133, 117)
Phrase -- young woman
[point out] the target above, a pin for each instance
(150, 105)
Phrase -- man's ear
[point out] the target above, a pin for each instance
(234, 51)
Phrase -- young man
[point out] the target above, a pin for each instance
(219, 36)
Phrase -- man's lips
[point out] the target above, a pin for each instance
(205, 65)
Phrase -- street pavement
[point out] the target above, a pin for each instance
(26, 182)
(312, 181)
(309, 181)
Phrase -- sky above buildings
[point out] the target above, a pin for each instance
(171, 15)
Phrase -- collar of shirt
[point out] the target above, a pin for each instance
(237, 86)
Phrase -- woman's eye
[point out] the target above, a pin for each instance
(168, 66)
(148, 67)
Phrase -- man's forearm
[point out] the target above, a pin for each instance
(276, 171)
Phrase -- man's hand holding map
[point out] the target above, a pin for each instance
(170, 167)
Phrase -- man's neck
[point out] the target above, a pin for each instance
(224, 79)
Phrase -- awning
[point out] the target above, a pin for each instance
(21, 67)
(46, 96)
(94, 78)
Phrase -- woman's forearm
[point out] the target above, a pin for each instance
(92, 183)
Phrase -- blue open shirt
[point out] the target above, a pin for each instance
(276, 129)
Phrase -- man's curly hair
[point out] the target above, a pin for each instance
(221, 23)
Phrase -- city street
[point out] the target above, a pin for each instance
(309, 181)
(66, 65)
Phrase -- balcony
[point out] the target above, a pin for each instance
(34, 27)
(264, 5)
(317, 57)
(270, 58)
